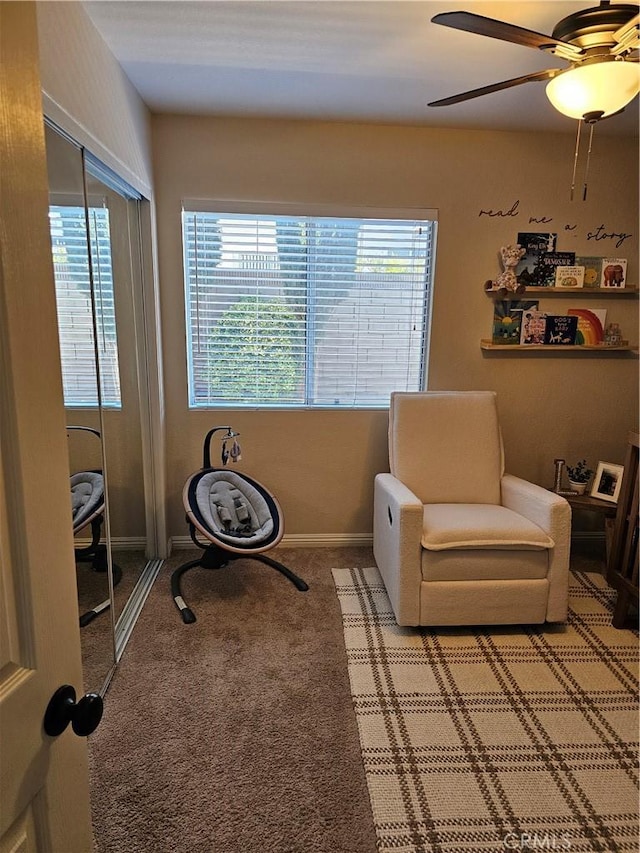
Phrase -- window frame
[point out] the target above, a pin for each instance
(288, 209)
(75, 202)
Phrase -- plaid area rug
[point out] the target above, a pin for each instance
(507, 738)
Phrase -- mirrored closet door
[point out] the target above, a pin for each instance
(98, 271)
(113, 237)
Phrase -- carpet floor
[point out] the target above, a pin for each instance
(96, 637)
(236, 734)
(475, 739)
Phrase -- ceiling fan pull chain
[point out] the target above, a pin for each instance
(586, 169)
(575, 159)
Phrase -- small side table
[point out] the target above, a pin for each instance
(605, 508)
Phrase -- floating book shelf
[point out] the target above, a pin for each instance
(565, 291)
(570, 292)
(601, 349)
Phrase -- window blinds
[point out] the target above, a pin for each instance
(74, 305)
(305, 311)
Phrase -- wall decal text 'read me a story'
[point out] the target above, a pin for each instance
(601, 232)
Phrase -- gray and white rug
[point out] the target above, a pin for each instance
(508, 738)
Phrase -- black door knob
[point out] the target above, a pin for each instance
(63, 709)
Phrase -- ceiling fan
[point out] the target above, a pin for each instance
(600, 43)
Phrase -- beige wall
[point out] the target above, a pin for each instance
(86, 92)
(88, 95)
(321, 464)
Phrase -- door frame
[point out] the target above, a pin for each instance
(44, 781)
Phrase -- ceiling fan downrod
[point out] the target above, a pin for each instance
(592, 123)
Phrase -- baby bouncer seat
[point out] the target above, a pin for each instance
(88, 508)
(237, 516)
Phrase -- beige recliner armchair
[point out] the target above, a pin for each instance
(457, 541)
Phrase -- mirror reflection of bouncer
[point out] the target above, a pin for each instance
(237, 516)
(87, 508)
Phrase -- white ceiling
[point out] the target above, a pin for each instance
(368, 60)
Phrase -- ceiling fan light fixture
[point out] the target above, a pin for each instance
(589, 89)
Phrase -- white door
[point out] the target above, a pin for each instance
(44, 789)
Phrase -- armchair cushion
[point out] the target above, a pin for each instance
(478, 564)
(446, 446)
(448, 526)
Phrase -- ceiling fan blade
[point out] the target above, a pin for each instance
(472, 23)
(495, 87)
(627, 37)
(630, 27)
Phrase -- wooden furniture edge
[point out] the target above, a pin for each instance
(486, 344)
(563, 291)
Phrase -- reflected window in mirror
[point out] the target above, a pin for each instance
(72, 271)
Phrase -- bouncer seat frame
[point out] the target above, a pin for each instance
(237, 516)
(93, 514)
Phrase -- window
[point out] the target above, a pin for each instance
(305, 310)
(74, 302)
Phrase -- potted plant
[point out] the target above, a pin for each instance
(579, 476)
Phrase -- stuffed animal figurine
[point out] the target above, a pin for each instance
(507, 281)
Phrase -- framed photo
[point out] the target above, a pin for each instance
(607, 481)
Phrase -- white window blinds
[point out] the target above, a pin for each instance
(74, 305)
(305, 311)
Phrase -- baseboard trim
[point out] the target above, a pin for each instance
(327, 540)
(299, 540)
(118, 543)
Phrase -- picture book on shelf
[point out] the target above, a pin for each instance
(591, 325)
(507, 319)
(548, 265)
(592, 269)
(560, 329)
(533, 326)
(535, 244)
(614, 272)
(569, 276)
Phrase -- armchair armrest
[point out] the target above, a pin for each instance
(552, 513)
(539, 505)
(397, 531)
